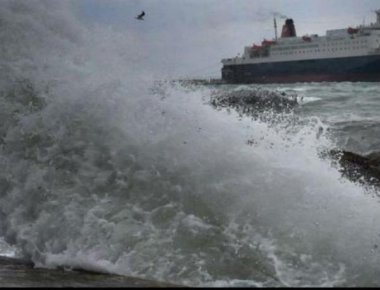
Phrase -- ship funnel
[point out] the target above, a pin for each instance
(378, 16)
(288, 30)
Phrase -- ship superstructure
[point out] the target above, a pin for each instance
(350, 54)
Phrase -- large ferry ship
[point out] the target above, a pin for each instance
(350, 54)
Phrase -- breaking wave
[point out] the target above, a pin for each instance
(104, 169)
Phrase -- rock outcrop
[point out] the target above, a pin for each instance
(252, 102)
(358, 168)
(19, 273)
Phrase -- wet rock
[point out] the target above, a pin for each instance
(358, 168)
(254, 101)
(21, 273)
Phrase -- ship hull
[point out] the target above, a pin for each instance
(352, 69)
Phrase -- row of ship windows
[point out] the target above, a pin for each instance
(319, 50)
(325, 45)
(294, 47)
(345, 42)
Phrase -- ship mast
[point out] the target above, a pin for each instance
(275, 27)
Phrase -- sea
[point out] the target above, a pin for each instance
(107, 167)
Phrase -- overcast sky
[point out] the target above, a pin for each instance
(190, 37)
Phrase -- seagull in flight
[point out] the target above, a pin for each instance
(141, 16)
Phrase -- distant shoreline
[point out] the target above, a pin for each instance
(205, 81)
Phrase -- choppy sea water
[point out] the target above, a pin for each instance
(103, 169)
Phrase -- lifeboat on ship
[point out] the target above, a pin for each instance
(306, 38)
(351, 30)
(256, 50)
(268, 42)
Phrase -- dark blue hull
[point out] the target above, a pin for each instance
(354, 69)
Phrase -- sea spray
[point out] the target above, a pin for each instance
(104, 171)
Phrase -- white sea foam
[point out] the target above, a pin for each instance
(105, 170)
(6, 249)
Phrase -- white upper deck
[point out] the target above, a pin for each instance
(349, 42)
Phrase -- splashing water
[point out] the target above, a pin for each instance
(102, 172)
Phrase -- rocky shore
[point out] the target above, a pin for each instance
(19, 273)
(251, 102)
(357, 168)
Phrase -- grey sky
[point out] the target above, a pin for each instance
(188, 38)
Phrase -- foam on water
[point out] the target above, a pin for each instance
(105, 170)
(305, 100)
(6, 250)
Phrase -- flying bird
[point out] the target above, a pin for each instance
(141, 16)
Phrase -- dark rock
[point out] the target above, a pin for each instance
(358, 168)
(363, 169)
(252, 102)
(20, 273)
(374, 160)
